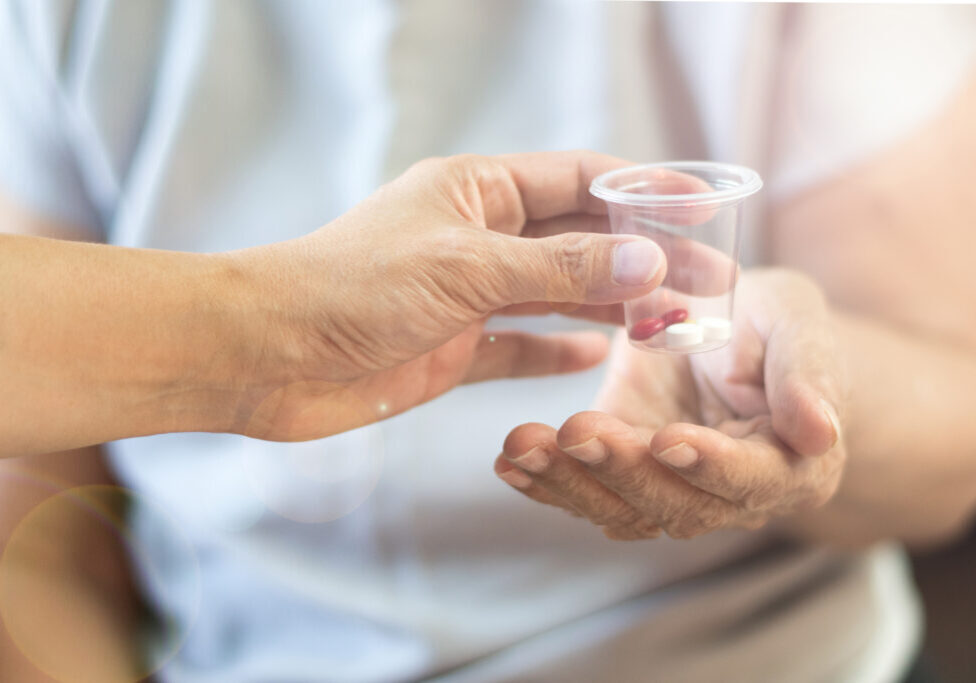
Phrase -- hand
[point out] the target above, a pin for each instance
(383, 308)
(691, 444)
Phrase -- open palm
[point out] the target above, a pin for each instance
(689, 444)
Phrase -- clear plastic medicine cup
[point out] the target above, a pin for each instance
(693, 210)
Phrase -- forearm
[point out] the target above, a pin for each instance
(910, 436)
(64, 572)
(99, 343)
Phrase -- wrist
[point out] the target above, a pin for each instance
(229, 346)
(261, 343)
(204, 350)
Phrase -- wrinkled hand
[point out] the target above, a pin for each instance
(383, 309)
(691, 444)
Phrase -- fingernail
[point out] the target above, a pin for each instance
(635, 262)
(590, 452)
(535, 460)
(832, 417)
(679, 456)
(519, 480)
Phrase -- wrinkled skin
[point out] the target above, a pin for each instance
(689, 444)
(383, 308)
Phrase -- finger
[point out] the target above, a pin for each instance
(801, 373)
(758, 473)
(575, 268)
(520, 354)
(632, 532)
(532, 449)
(522, 483)
(802, 415)
(741, 394)
(555, 183)
(693, 267)
(620, 459)
(742, 361)
(503, 192)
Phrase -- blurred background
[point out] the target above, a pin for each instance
(206, 125)
(947, 581)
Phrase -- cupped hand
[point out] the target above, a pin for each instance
(383, 308)
(694, 443)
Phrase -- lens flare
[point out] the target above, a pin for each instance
(53, 608)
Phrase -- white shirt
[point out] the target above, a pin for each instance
(388, 553)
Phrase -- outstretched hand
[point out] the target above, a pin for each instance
(691, 444)
(383, 308)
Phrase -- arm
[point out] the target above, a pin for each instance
(77, 567)
(892, 243)
(762, 429)
(376, 312)
(99, 342)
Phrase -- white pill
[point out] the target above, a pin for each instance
(715, 329)
(683, 334)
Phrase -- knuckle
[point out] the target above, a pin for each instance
(479, 188)
(632, 532)
(458, 164)
(683, 530)
(759, 496)
(702, 518)
(490, 173)
(481, 178)
(573, 486)
(815, 486)
(458, 271)
(648, 529)
(616, 516)
(767, 489)
(822, 480)
(639, 484)
(819, 494)
(663, 510)
(711, 515)
(428, 166)
(572, 261)
(469, 163)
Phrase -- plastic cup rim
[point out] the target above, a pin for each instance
(751, 183)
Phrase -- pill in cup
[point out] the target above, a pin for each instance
(693, 211)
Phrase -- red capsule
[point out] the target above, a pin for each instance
(676, 316)
(646, 328)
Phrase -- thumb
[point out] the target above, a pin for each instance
(804, 383)
(582, 268)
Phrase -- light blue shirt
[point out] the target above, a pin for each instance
(390, 552)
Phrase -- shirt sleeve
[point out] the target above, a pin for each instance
(39, 167)
(856, 79)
